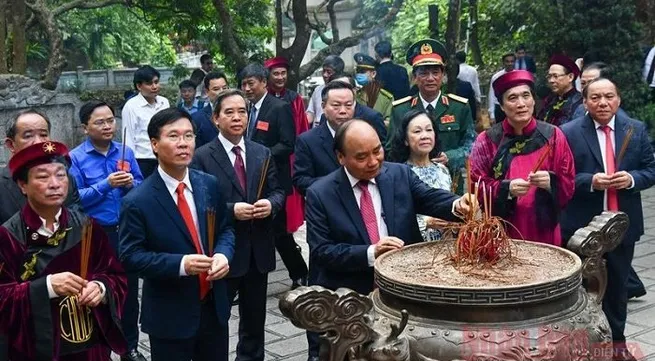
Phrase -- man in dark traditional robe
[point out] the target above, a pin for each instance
(560, 105)
(61, 285)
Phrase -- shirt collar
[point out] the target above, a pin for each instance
(143, 102)
(44, 230)
(353, 181)
(88, 147)
(433, 103)
(332, 131)
(610, 124)
(229, 145)
(384, 61)
(171, 183)
(258, 105)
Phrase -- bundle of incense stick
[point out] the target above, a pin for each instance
(469, 182)
(211, 229)
(624, 147)
(85, 242)
(542, 158)
(123, 150)
(262, 178)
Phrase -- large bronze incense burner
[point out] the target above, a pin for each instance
(545, 305)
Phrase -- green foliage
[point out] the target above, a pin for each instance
(646, 114)
(412, 25)
(111, 36)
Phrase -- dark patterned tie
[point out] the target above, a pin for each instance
(251, 121)
(240, 168)
(368, 212)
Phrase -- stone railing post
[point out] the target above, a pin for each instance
(111, 82)
(81, 82)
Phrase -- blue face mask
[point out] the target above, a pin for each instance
(361, 78)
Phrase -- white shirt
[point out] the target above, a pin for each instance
(332, 131)
(46, 232)
(377, 205)
(492, 95)
(228, 146)
(171, 184)
(470, 74)
(258, 105)
(315, 105)
(650, 58)
(601, 142)
(433, 103)
(136, 116)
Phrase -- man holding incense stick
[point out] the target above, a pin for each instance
(175, 233)
(254, 197)
(105, 171)
(61, 286)
(614, 162)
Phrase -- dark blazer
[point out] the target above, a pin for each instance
(465, 89)
(529, 64)
(153, 240)
(12, 199)
(638, 161)
(252, 237)
(205, 128)
(276, 130)
(371, 116)
(315, 157)
(336, 233)
(394, 78)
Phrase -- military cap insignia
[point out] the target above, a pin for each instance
(426, 49)
(49, 148)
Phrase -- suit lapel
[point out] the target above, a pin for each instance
(164, 198)
(328, 143)
(261, 113)
(386, 188)
(199, 198)
(347, 197)
(440, 109)
(220, 157)
(254, 168)
(590, 136)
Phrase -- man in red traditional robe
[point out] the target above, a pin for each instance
(526, 164)
(61, 286)
(277, 81)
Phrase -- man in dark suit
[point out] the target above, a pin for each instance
(366, 208)
(270, 123)
(523, 60)
(26, 128)
(175, 234)
(605, 181)
(214, 83)
(250, 212)
(393, 77)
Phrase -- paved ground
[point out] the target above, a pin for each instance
(286, 342)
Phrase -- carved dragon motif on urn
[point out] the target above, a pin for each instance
(384, 326)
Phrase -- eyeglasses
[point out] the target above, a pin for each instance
(175, 138)
(556, 76)
(101, 122)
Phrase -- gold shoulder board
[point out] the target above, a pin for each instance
(402, 100)
(386, 93)
(458, 98)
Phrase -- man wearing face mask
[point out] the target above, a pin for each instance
(371, 92)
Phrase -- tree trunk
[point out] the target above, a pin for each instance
(475, 46)
(19, 63)
(229, 43)
(3, 39)
(452, 35)
(56, 59)
(279, 32)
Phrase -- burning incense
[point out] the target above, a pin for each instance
(624, 147)
(262, 178)
(87, 232)
(211, 229)
(542, 158)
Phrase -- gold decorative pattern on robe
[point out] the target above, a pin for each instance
(75, 321)
(29, 267)
(57, 237)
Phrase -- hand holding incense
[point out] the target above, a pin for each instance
(85, 242)
(122, 165)
(542, 158)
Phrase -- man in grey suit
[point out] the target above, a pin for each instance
(26, 128)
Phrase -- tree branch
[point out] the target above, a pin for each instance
(320, 29)
(333, 19)
(86, 4)
(228, 37)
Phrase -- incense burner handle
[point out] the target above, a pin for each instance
(604, 233)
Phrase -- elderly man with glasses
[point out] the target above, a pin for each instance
(560, 105)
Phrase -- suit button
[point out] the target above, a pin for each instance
(448, 128)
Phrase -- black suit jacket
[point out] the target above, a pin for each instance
(465, 89)
(12, 199)
(337, 237)
(371, 116)
(251, 237)
(205, 128)
(394, 78)
(638, 161)
(276, 130)
(529, 64)
(315, 157)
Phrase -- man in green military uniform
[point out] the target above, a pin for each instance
(371, 92)
(451, 115)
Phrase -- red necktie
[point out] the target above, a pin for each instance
(610, 168)
(185, 211)
(368, 212)
(239, 167)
